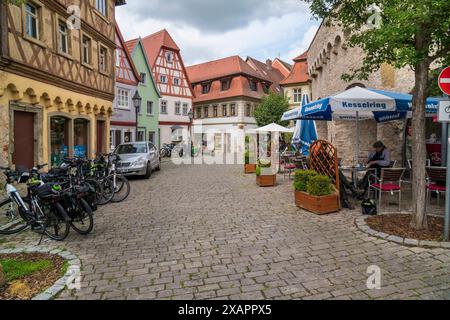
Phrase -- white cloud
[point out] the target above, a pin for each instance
(286, 32)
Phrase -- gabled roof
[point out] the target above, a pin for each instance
(221, 68)
(127, 54)
(284, 67)
(268, 71)
(299, 73)
(132, 46)
(154, 42)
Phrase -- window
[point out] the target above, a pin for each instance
(169, 57)
(140, 136)
(32, 20)
(297, 95)
(123, 98)
(206, 113)
(152, 137)
(162, 79)
(248, 110)
(143, 78)
(100, 5)
(178, 108)
(86, 50)
(233, 110)
(63, 38)
(199, 113)
(185, 109)
(164, 107)
(215, 111)
(176, 81)
(150, 107)
(266, 88)
(253, 85)
(225, 85)
(206, 87)
(225, 110)
(103, 58)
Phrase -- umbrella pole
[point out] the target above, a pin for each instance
(357, 138)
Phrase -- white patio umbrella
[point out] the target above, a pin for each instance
(275, 128)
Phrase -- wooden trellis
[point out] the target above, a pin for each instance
(324, 160)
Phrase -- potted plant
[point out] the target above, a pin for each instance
(315, 193)
(265, 177)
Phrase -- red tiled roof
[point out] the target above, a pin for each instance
(239, 87)
(269, 71)
(299, 73)
(284, 67)
(131, 44)
(154, 42)
(222, 68)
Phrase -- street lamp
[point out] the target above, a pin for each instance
(137, 100)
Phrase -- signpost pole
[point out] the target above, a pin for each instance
(447, 192)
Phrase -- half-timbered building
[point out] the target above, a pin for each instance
(56, 79)
(124, 119)
(173, 83)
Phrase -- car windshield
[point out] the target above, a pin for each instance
(132, 149)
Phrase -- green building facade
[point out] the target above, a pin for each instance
(149, 113)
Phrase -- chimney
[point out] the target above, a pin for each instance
(269, 63)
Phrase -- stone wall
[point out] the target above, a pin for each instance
(328, 59)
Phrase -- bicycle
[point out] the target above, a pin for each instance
(41, 211)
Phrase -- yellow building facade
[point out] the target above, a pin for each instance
(57, 80)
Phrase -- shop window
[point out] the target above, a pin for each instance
(141, 136)
(128, 137)
(59, 140)
(81, 138)
(152, 137)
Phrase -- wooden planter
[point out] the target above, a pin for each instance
(266, 180)
(250, 168)
(317, 205)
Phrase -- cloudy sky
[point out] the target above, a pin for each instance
(212, 29)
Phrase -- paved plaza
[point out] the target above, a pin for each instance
(208, 232)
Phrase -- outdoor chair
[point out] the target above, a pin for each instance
(436, 176)
(410, 164)
(390, 182)
(393, 164)
(288, 166)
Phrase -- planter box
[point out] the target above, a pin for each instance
(266, 180)
(250, 168)
(317, 205)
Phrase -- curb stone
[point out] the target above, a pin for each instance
(362, 226)
(59, 285)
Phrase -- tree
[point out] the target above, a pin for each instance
(413, 33)
(271, 110)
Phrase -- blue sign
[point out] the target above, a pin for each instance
(80, 152)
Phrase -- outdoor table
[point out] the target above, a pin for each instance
(355, 171)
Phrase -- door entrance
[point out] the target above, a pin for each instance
(100, 137)
(23, 156)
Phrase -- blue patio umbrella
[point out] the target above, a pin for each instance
(308, 131)
(360, 104)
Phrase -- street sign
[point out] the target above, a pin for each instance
(444, 81)
(444, 111)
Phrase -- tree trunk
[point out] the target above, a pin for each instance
(419, 219)
(2, 277)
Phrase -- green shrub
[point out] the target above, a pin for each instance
(265, 163)
(247, 157)
(302, 178)
(258, 171)
(319, 186)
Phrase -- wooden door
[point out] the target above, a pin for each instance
(100, 137)
(23, 156)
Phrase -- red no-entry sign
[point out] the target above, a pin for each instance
(444, 81)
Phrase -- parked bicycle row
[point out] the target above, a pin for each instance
(62, 199)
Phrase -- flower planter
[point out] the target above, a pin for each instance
(266, 180)
(250, 168)
(317, 205)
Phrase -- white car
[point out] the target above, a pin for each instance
(138, 159)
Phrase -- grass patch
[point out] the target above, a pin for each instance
(14, 269)
(64, 268)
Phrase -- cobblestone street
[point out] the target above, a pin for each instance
(207, 232)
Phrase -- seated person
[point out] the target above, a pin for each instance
(379, 159)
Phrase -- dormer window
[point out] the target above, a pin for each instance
(253, 85)
(225, 85)
(206, 87)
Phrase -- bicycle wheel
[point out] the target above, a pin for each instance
(122, 188)
(83, 223)
(99, 192)
(55, 226)
(108, 192)
(11, 221)
(163, 152)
